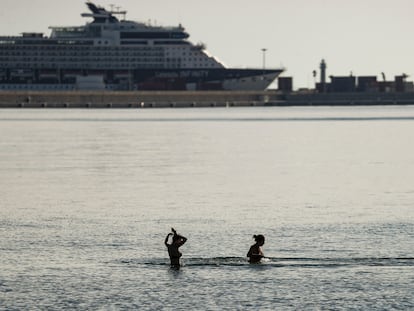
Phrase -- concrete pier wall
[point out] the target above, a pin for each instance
(349, 99)
(79, 99)
(181, 99)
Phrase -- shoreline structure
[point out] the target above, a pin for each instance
(188, 99)
(130, 99)
(112, 62)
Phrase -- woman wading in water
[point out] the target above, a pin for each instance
(255, 253)
(173, 252)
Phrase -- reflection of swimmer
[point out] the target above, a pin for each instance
(255, 253)
(173, 252)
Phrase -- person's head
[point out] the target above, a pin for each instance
(260, 239)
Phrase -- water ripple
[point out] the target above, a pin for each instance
(278, 262)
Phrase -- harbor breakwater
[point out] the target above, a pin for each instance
(182, 99)
(137, 99)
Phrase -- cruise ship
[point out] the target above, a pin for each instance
(110, 52)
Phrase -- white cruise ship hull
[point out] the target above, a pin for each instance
(121, 55)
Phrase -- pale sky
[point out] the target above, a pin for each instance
(365, 37)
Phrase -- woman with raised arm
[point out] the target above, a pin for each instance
(173, 252)
(255, 253)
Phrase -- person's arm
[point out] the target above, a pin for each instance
(182, 240)
(166, 239)
(249, 253)
(255, 252)
(259, 254)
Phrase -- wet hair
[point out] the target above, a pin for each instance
(259, 238)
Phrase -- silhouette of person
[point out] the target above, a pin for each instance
(173, 252)
(255, 253)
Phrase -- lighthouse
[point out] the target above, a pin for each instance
(323, 75)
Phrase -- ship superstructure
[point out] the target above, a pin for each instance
(114, 53)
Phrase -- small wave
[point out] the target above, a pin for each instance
(216, 119)
(194, 262)
(278, 262)
(216, 261)
(344, 262)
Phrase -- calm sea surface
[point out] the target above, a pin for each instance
(88, 196)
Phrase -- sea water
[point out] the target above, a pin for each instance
(88, 196)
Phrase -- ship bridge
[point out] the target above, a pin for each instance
(105, 21)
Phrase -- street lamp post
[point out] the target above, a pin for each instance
(264, 62)
(264, 58)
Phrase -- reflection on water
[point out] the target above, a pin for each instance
(88, 196)
(276, 262)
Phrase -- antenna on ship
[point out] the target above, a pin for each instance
(117, 10)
